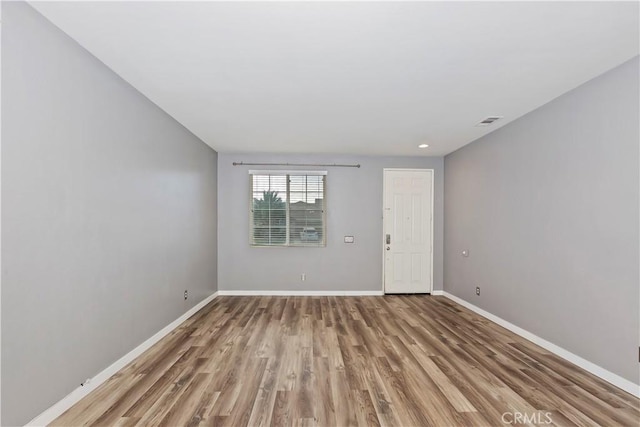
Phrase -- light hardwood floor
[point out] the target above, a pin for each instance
(339, 361)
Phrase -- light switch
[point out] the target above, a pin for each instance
(349, 239)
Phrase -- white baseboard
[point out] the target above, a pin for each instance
(74, 397)
(301, 293)
(437, 292)
(596, 370)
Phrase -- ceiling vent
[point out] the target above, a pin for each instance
(489, 120)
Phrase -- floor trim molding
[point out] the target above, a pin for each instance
(74, 397)
(301, 293)
(596, 370)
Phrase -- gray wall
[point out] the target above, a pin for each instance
(108, 214)
(354, 207)
(548, 208)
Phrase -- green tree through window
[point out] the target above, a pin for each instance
(269, 219)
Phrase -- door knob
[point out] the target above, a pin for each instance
(388, 248)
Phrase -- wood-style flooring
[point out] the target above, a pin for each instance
(342, 361)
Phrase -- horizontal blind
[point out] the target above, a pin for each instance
(288, 209)
(286, 172)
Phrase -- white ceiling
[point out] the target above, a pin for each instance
(350, 77)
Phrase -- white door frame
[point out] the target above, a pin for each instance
(382, 239)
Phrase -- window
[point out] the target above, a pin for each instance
(287, 208)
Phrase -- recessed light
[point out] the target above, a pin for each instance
(423, 146)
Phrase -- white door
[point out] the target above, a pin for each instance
(408, 230)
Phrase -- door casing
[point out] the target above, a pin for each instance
(384, 231)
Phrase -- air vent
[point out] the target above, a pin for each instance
(489, 120)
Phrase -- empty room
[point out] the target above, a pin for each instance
(320, 213)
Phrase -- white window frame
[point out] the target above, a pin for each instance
(288, 243)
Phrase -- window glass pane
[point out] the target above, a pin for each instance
(273, 218)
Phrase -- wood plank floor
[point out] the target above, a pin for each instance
(341, 361)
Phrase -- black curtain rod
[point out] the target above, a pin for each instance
(332, 165)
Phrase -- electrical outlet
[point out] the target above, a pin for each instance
(303, 277)
(186, 294)
(477, 290)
